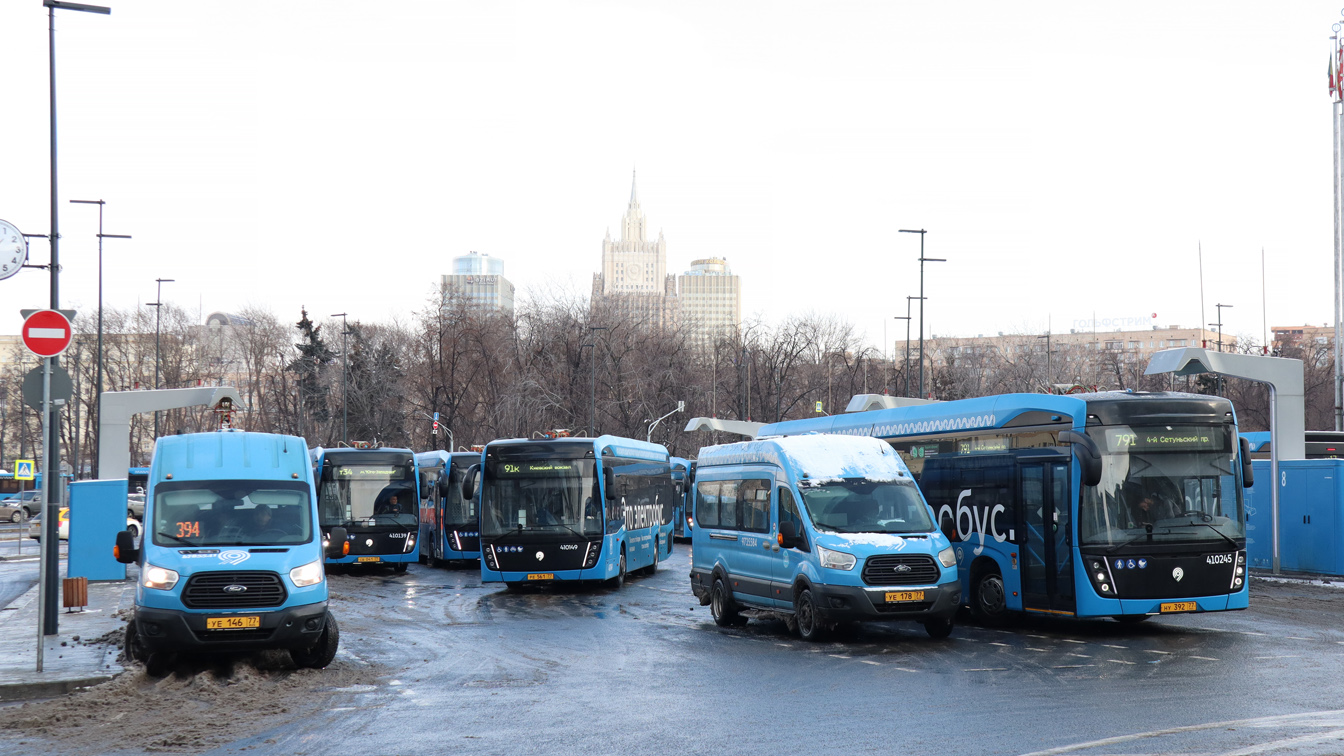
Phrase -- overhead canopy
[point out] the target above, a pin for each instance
(117, 408)
(740, 427)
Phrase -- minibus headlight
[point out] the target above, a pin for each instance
(947, 557)
(836, 560)
(159, 578)
(306, 575)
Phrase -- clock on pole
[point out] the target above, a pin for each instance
(13, 249)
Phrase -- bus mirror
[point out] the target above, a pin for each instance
(445, 483)
(788, 535)
(425, 483)
(125, 550)
(336, 542)
(1089, 456)
(469, 483)
(1247, 472)
(609, 483)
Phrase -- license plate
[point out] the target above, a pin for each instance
(369, 559)
(1179, 606)
(895, 596)
(231, 623)
(541, 576)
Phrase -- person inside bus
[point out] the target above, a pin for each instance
(261, 521)
(389, 506)
(1149, 509)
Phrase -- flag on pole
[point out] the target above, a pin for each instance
(1332, 77)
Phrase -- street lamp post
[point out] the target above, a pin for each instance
(592, 380)
(1218, 381)
(1049, 368)
(345, 388)
(907, 320)
(98, 391)
(922, 260)
(158, 309)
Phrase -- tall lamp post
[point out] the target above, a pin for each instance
(592, 380)
(908, 300)
(50, 567)
(98, 391)
(922, 260)
(906, 318)
(1218, 381)
(345, 390)
(158, 308)
(1049, 368)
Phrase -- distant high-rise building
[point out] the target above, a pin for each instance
(634, 277)
(480, 280)
(711, 299)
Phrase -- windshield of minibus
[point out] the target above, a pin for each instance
(858, 505)
(540, 495)
(368, 494)
(458, 511)
(232, 513)
(1178, 483)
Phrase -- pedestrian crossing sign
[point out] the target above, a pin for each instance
(23, 469)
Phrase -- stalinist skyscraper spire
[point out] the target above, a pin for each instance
(634, 269)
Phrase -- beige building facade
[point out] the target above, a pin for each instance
(711, 300)
(634, 279)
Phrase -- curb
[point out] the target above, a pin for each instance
(48, 689)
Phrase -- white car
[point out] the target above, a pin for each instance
(35, 526)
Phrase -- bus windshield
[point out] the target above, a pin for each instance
(232, 513)
(1175, 484)
(366, 494)
(857, 505)
(457, 511)
(540, 495)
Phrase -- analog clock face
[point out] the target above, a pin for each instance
(13, 250)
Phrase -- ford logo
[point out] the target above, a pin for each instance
(902, 568)
(235, 588)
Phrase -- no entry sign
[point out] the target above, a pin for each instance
(46, 333)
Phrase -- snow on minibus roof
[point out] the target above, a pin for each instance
(814, 456)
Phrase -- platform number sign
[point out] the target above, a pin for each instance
(24, 469)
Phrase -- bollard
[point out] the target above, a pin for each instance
(75, 592)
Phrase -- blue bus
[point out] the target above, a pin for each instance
(374, 494)
(1112, 504)
(573, 509)
(449, 524)
(683, 472)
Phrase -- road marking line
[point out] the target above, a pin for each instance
(838, 656)
(905, 669)
(1029, 648)
(1071, 640)
(875, 664)
(1294, 637)
(1205, 658)
(1278, 657)
(1279, 744)
(1081, 656)
(1107, 645)
(1154, 651)
(1072, 666)
(1119, 661)
(987, 669)
(1261, 721)
(994, 643)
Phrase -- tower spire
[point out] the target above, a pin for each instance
(634, 197)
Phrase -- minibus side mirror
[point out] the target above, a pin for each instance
(1089, 456)
(788, 536)
(338, 543)
(125, 551)
(469, 482)
(446, 482)
(1247, 473)
(609, 483)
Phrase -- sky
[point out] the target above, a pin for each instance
(1068, 160)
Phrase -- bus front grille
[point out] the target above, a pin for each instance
(900, 569)
(221, 590)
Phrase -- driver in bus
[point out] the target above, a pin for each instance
(391, 506)
(1150, 509)
(260, 521)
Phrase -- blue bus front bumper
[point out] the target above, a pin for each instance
(557, 576)
(849, 603)
(375, 559)
(178, 630)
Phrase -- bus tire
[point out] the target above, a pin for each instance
(721, 606)
(1131, 619)
(401, 567)
(810, 625)
(159, 664)
(135, 650)
(989, 600)
(938, 627)
(321, 653)
(653, 568)
(618, 582)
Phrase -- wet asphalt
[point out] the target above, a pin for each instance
(472, 668)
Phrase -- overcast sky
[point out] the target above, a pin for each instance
(1066, 158)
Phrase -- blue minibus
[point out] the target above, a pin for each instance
(819, 530)
(374, 494)
(232, 556)
(1110, 504)
(449, 524)
(569, 509)
(682, 472)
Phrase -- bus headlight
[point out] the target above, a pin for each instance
(1238, 573)
(159, 578)
(836, 560)
(488, 553)
(590, 557)
(1100, 573)
(306, 575)
(410, 543)
(947, 557)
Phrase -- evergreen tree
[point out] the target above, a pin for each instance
(314, 357)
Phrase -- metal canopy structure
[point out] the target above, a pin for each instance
(116, 408)
(740, 427)
(866, 402)
(1287, 410)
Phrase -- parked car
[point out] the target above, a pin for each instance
(135, 505)
(31, 501)
(12, 511)
(62, 528)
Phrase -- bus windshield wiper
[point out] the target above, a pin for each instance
(179, 539)
(1225, 536)
(1135, 539)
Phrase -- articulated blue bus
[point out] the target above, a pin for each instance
(375, 495)
(573, 509)
(1111, 504)
(449, 524)
(683, 471)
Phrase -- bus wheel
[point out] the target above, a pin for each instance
(989, 600)
(135, 650)
(938, 628)
(721, 606)
(810, 626)
(653, 568)
(618, 582)
(322, 652)
(1131, 619)
(401, 567)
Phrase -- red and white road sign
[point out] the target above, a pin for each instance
(47, 333)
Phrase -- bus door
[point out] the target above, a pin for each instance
(1047, 580)
(431, 517)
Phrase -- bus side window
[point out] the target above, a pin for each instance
(753, 508)
(707, 504)
(788, 512)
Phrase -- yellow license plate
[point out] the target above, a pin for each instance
(232, 623)
(369, 559)
(895, 596)
(541, 576)
(1179, 606)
